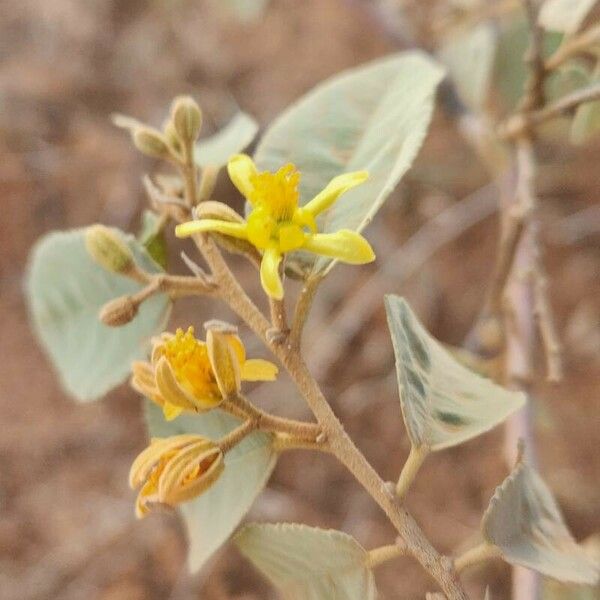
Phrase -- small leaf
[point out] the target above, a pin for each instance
(66, 290)
(443, 402)
(564, 15)
(211, 518)
(524, 522)
(372, 118)
(152, 238)
(307, 563)
(234, 137)
(469, 56)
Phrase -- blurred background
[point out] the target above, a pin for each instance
(67, 527)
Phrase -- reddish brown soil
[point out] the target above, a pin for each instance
(66, 515)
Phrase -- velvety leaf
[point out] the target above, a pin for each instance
(443, 402)
(525, 523)
(66, 290)
(212, 517)
(564, 15)
(233, 138)
(372, 118)
(306, 563)
(469, 56)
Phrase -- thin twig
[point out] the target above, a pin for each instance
(518, 124)
(302, 309)
(583, 42)
(475, 556)
(378, 556)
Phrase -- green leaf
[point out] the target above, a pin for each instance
(564, 15)
(443, 402)
(306, 563)
(152, 237)
(469, 56)
(66, 290)
(215, 151)
(524, 522)
(211, 518)
(374, 117)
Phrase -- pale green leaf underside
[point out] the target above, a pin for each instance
(564, 15)
(524, 522)
(443, 402)
(374, 117)
(307, 563)
(469, 56)
(233, 138)
(66, 290)
(212, 517)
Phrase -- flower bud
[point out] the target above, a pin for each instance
(187, 118)
(119, 311)
(151, 142)
(225, 356)
(108, 249)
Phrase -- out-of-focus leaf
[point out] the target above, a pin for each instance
(469, 56)
(306, 563)
(215, 151)
(374, 117)
(66, 290)
(564, 15)
(211, 518)
(152, 238)
(586, 122)
(524, 522)
(247, 11)
(443, 402)
(510, 72)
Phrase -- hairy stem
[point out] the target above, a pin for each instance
(410, 469)
(378, 556)
(475, 556)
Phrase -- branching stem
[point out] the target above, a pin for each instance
(410, 469)
(475, 555)
(378, 556)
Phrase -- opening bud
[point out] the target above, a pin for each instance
(108, 249)
(226, 354)
(187, 118)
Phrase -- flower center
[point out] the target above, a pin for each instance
(190, 363)
(277, 192)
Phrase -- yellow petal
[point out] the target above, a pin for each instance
(170, 411)
(236, 230)
(257, 369)
(345, 245)
(269, 273)
(224, 361)
(334, 189)
(241, 169)
(291, 237)
(260, 226)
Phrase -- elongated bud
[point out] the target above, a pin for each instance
(108, 249)
(119, 311)
(187, 118)
(151, 142)
(224, 355)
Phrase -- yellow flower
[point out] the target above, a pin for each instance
(173, 470)
(277, 224)
(185, 373)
